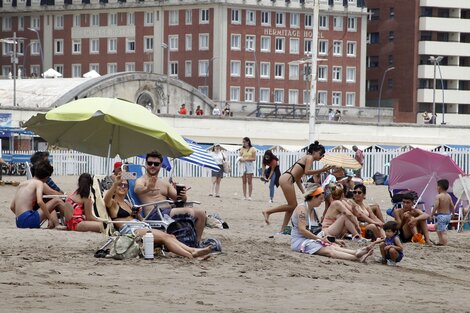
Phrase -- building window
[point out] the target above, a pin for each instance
(234, 93)
(77, 20)
(391, 36)
(372, 85)
(337, 74)
(173, 18)
(350, 99)
(249, 69)
(374, 14)
(173, 40)
(307, 46)
(59, 22)
(391, 13)
(76, 70)
(265, 44)
(235, 42)
(264, 95)
(174, 69)
(308, 21)
(278, 95)
(372, 61)
(293, 71)
(203, 41)
(390, 83)
(203, 16)
(293, 96)
(20, 22)
(112, 19)
(58, 46)
(34, 47)
(250, 17)
(148, 19)
(7, 23)
(34, 22)
(130, 67)
(323, 20)
(336, 98)
(351, 49)
(148, 43)
(249, 94)
(148, 67)
(390, 59)
(204, 90)
(94, 20)
(323, 73)
(250, 43)
(322, 97)
(236, 19)
(337, 48)
(279, 71)
(188, 17)
(188, 42)
(338, 23)
(265, 18)
(130, 19)
(350, 74)
(76, 46)
(235, 68)
(94, 67)
(112, 45)
(280, 44)
(373, 38)
(264, 70)
(352, 24)
(280, 19)
(130, 45)
(188, 71)
(112, 68)
(294, 44)
(94, 46)
(294, 20)
(322, 47)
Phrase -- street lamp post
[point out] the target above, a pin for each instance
(313, 86)
(41, 69)
(207, 74)
(380, 93)
(257, 74)
(435, 61)
(165, 46)
(14, 61)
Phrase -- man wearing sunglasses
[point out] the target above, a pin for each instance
(150, 188)
(412, 222)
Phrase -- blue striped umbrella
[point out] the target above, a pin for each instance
(199, 157)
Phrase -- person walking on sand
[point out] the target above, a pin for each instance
(304, 239)
(359, 157)
(443, 211)
(294, 176)
(247, 160)
(217, 176)
(271, 172)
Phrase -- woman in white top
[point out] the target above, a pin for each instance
(217, 176)
(247, 160)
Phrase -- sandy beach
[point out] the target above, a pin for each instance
(55, 271)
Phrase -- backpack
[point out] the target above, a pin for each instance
(125, 247)
(183, 229)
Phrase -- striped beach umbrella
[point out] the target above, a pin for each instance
(199, 157)
(340, 160)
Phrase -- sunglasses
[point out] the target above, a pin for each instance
(321, 194)
(153, 163)
(123, 186)
(357, 192)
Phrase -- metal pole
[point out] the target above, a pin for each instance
(442, 88)
(15, 61)
(380, 93)
(165, 46)
(41, 69)
(434, 94)
(313, 86)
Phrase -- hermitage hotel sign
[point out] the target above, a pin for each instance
(286, 32)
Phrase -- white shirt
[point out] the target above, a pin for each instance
(218, 157)
(216, 111)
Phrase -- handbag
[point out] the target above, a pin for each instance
(226, 165)
(125, 247)
(314, 229)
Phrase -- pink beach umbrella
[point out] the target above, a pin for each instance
(419, 170)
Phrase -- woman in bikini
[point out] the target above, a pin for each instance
(120, 210)
(83, 219)
(365, 213)
(339, 219)
(304, 241)
(294, 176)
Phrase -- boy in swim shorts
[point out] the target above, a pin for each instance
(443, 210)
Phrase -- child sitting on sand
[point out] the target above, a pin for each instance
(28, 206)
(391, 247)
(443, 210)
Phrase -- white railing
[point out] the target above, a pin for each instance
(68, 162)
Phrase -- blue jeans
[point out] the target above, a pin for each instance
(272, 185)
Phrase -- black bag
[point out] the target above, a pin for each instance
(379, 178)
(314, 229)
(183, 229)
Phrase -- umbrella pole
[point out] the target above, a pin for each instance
(109, 151)
(424, 190)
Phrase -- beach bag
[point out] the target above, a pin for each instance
(214, 243)
(314, 229)
(183, 229)
(125, 247)
(379, 178)
(226, 165)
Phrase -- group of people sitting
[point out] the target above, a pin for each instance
(35, 202)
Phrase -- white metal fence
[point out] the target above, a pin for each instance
(67, 162)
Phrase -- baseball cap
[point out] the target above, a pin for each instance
(117, 164)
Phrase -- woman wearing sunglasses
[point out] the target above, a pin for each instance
(304, 239)
(365, 214)
(120, 210)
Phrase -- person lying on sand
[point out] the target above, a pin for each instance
(305, 241)
(412, 222)
(28, 205)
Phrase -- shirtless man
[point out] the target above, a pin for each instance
(29, 193)
(443, 210)
(149, 188)
(409, 219)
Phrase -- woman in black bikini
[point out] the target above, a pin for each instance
(120, 210)
(293, 175)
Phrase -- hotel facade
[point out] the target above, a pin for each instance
(241, 51)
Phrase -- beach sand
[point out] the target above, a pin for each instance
(55, 271)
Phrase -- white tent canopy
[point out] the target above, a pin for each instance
(51, 73)
(91, 74)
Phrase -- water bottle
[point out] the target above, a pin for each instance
(148, 245)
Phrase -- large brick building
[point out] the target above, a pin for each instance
(243, 51)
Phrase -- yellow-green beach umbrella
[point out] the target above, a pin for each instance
(108, 127)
